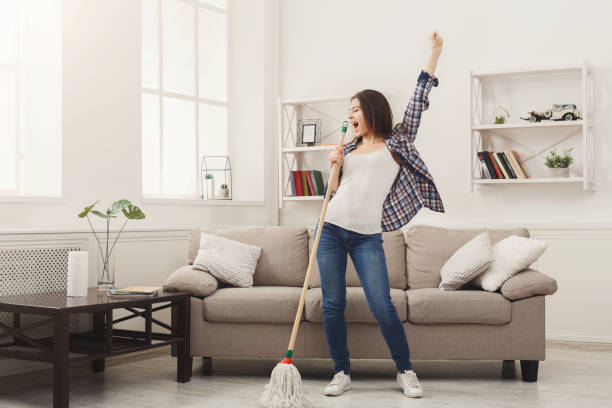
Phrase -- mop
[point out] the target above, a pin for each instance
(285, 387)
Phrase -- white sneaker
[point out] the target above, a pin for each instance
(340, 383)
(410, 383)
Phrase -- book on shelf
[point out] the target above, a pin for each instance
(135, 291)
(306, 183)
(504, 162)
(317, 179)
(310, 186)
(501, 165)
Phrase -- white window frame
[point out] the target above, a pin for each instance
(196, 99)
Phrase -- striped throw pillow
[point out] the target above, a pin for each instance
(227, 260)
(467, 262)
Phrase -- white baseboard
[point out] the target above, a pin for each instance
(574, 337)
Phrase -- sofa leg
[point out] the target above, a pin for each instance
(529, 370)
(509, 361)
(207, 365)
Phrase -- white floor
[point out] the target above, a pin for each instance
(573, 375)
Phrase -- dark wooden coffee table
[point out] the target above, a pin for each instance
(103, 341)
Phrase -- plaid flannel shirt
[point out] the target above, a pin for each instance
(413, 187)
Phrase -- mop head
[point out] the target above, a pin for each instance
(285, 388)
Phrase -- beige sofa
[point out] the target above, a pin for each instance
(467, 324)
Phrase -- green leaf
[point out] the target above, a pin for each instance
(88, 209)
(118, 206)
(133, 212)
(102, 215)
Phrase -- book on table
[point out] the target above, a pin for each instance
(135, 290)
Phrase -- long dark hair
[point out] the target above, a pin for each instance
(377, 114)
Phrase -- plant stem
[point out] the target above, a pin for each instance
(107, 232)
(117, 237)
(97, 239)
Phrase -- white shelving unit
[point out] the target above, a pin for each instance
(292, 157)
(570, 81)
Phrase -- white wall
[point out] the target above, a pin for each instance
(335, 48)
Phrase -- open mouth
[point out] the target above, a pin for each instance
(355, 125)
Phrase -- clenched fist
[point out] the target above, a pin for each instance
(336, 156)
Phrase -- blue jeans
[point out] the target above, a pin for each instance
(368, 256)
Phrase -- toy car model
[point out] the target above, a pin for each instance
(556, 112)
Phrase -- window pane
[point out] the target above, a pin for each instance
(8, 146)
(178, 46)
(150, 44)
(213, 130)
(212, 44)
(216, 3)
(41, 97)
(8, 17)
(150, 144)
(179, 161)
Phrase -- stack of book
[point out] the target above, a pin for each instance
(134, 291)
(502, 165)
(306, 183)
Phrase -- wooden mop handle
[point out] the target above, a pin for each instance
(313, 254)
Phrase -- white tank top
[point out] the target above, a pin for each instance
(366, 181)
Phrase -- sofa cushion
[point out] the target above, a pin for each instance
(394, 246)
(429, 247)
(357, 308)
(468, 262)
(510, 256)
(528, 283)
(284, 252)
(198, 283)
(259, 304)
(229, 261)
(432, 305)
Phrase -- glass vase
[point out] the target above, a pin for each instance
(106, 273)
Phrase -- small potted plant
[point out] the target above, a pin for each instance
(558, 166)
(224, 191)
(210, 185)
(500, 115)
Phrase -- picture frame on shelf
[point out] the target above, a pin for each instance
(309, 132)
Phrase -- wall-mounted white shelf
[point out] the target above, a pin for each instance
(292, 157)
(531, 180)
(534, 147)
(519, 125)
(306, 149)
(303, 198)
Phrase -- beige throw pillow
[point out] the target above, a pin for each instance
(227, 260)
(511, 255)
(467, 262)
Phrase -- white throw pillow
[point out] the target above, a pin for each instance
(511, 255)
(467, 262)
(227, 260)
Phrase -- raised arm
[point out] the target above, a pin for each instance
(419, 101)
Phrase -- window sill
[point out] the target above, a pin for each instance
(32, 200)
(197, 202)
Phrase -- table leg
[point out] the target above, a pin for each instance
(98, 327)
(184, 361)
(60, 361)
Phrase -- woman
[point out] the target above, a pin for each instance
(385, 184)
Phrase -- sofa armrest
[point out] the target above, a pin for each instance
(187, 279)
(528, 283)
